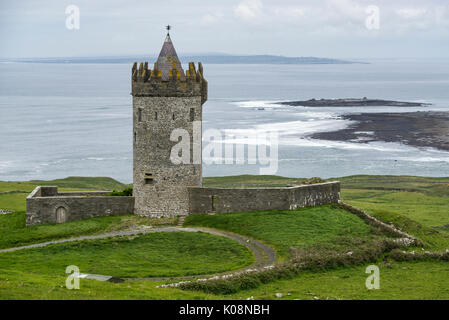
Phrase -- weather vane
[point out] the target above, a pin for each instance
(168, 27)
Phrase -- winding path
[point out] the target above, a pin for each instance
(264, 256)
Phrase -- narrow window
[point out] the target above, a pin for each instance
(214, 203)
(173, 116)
(155, 116)
(135, 137)
(139, 115)
(192, 114)
(149, 179)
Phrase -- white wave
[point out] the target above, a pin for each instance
(379, 146)
(325, 119)
(320, 115)
(296, 128)
(259, 104)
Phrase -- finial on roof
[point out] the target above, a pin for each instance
(168, 59)
(168, 27)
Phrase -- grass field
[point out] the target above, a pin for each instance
(405, 280)
(13, 231)
(151, 255)
(288, 229)
(417, 205)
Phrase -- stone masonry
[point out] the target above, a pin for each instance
(218, 200)
(47, 205)
(165, 99)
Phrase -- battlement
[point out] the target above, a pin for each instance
(170, 82)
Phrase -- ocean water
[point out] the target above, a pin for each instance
(59, 120)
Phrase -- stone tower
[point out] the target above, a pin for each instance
(164, 99)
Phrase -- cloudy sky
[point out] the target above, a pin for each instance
(323, 28)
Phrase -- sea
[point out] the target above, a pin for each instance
(73, 119)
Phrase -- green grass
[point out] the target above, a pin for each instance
(286, 229)
(13, 231)
(23, 285)
(94, 183)
(98, 183)
(398, 280)
(13, 194)
(16, 201)
(424, 215)
(404, 280)
(248, 181)
(16, 186)
(418, 205)
(428, 210)
(151, 255)
(428, 185)
(13, 201)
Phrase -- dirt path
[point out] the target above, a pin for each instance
(264, 256)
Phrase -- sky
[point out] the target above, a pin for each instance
(320, 28)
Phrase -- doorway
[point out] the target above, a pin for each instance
(61, 215)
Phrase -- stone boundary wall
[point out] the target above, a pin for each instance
(47, 205)
(403, 237)
(221, 200)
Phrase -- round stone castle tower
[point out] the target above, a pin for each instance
(165, 99)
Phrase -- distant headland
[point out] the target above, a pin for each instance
(353, 103)
(204, 58)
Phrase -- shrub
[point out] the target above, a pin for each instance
(312, 258)
(128, 192)
(400, 255)
(311, 180)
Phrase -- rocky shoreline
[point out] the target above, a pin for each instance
(419, 129)
(351, 102)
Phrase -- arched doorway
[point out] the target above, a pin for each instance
(61, 215)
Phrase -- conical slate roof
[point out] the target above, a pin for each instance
(168, 59)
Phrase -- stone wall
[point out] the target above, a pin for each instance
(165, 99)
(155, 118)
(208, 200)
(47, 205)
(151, 83)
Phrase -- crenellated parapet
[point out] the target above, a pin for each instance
(152, 83)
